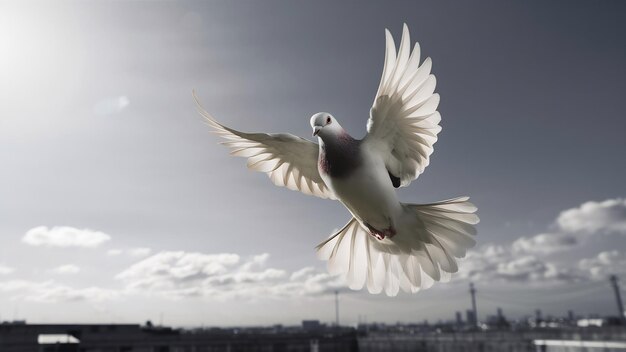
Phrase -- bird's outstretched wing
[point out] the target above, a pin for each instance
(404, 121)
(288, 160)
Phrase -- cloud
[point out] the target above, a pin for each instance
(573, 225)
(532, 269)
(494, 263)
(302, 273)
(525, 261)
(177, 267)
(64, 237)
(16, 285)
(180, 274)
(593, 217)
(112, 105)
(545, 243)
(310, 282)
(5, 270)
(604, 264)
(187, 273)
(61, 293)
(67, 269)
(256, 261)
(183, 274)
(52, 292)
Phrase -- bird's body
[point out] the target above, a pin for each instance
(387, 245)
(362, 186)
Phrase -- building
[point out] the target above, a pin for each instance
(135, 338)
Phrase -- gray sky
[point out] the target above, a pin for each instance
(99, 137)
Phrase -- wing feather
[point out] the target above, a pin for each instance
(404, 122)
(289, 161)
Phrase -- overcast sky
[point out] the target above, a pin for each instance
(117, 205)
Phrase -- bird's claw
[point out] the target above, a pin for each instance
(381, 235)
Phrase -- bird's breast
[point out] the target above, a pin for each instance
(366, 191)
(339, 161)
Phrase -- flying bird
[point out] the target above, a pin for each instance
(387, 245)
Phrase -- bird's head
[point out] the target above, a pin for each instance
(325, 125)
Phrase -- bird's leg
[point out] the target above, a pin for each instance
(374, 232)
(381, 235)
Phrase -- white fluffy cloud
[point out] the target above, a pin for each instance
(67, 269)
(59, 293)
(526, 260)
(168, 269)
(63, 236)
(604, 264)
(574, 225)
(593, 217)
(112, 105)
(492, 263)
(51, 292)
(545, 243)
(310, 282)
(302, 273)
(181, 274)
(5, 270)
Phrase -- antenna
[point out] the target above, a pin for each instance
(618, 297)
(473, 293)
(337, 308)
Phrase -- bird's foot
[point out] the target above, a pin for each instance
(381, 235)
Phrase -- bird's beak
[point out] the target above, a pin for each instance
(316, 130)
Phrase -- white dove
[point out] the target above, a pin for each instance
(387, 244)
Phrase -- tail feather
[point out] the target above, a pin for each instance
(357, 272)
(414, 258)
(412, 271)
(447, 260)
(375, 269)
(431, 265)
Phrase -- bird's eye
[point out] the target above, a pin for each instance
(327, 120)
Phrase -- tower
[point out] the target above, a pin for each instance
(618, 297)
(337, 308)
(475, 313)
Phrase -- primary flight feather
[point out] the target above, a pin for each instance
(387, 245)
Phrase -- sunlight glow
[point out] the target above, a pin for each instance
(39, 66)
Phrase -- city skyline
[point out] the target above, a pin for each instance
(117, 204)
